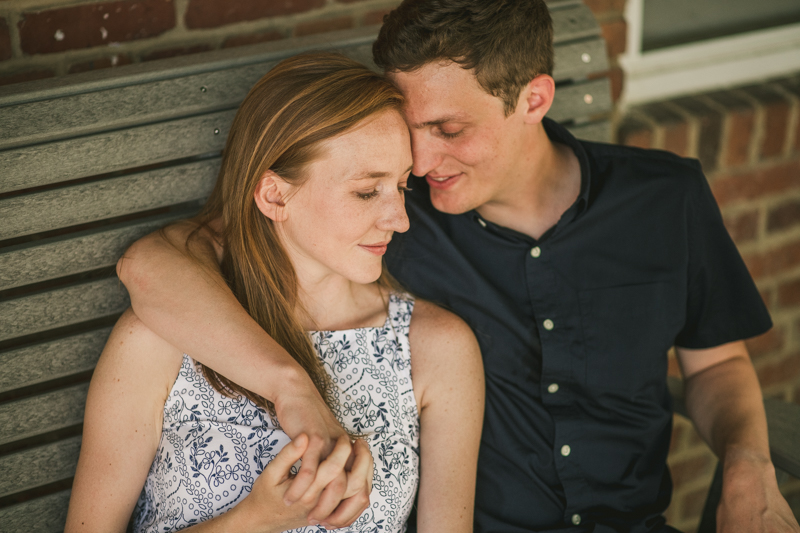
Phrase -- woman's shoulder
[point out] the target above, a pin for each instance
(434, 328)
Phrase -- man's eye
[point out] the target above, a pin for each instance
(450, 135)
(367, 195)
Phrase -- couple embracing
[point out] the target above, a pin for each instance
(283, 366)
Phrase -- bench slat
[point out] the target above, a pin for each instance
(573, 22)
(50, 360)
(570, 62)
(145, 102)
(39, 466)
(57, 257)
(45, 164)
(26, 418)
(593, 131)
(42, 515)
(89, 202)
(581, 100)
(62, 307)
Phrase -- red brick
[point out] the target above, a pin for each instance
(710, 120)
(323, 26)
(776, 118)
(28, 75)
(5, 41)
(691, 469)
(376, 17)
(767, 181)
(789, 293)
(243, 40)
(215, 13)
(102, 62)
(674, 125)
(742, 227)
(779, 372)
(792, 86)
(633, 132)
(602, 7)
(615, 34)
(740, 134)
(769, 342)
(784, 216)
(173, 52)
(89, 25)
(774, 261)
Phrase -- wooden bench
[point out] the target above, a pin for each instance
(91, 162)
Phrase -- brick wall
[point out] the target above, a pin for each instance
(44, 38)
(748, 141)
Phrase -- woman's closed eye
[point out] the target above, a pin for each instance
(368, 195)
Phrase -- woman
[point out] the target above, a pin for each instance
(309, 195)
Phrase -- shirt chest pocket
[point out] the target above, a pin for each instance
(627, 331)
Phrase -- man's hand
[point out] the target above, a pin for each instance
(751, 501)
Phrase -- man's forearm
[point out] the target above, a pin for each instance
(725, 403)
(187, 303)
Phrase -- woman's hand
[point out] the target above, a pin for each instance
(265, 510)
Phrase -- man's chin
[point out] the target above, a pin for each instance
(449, 203)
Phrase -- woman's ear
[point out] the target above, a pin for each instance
(270, 195)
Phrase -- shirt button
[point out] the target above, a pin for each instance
(552, 388)
(576, 519)
(566, 450)
(536, 252)
(481, 222)
(548, 324)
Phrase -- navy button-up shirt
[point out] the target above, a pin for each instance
(574, 330)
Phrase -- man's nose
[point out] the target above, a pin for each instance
(425, 154)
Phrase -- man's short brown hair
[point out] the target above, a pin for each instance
(506, 42)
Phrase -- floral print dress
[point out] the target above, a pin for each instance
(213, 447)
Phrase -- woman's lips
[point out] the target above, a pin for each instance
(377, 249)
(442, 182)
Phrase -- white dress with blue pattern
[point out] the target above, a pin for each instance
(213, 447)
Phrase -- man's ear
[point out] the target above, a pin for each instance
(537, 97)
(270, 195)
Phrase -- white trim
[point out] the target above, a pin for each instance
(703, 66)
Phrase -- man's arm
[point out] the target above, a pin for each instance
(186, 301)
(724, 400)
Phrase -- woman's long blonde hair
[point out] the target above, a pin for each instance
(301, 102)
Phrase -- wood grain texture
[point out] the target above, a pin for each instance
(62, 307)
(38, 466)
(593, 131)
(50, 360)
(45, 164)
(78, 204)
(576, 60)
(572, 22)
(33, 416)
(221, 86)
(61, 256)
(581, 100)
(42, 515)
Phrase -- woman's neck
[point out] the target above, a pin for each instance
(336, 303)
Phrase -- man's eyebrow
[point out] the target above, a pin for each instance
(373, 175)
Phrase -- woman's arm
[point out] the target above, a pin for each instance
(122, 430)
(122, 426)
(187, 303)
(448, 379)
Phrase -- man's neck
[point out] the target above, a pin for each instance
(546, 185)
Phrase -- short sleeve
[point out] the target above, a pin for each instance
(723, 304)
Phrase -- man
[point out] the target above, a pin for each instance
(578, 265)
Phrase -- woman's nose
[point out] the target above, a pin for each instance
(395, 217)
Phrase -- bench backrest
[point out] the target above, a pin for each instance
(91, 162)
